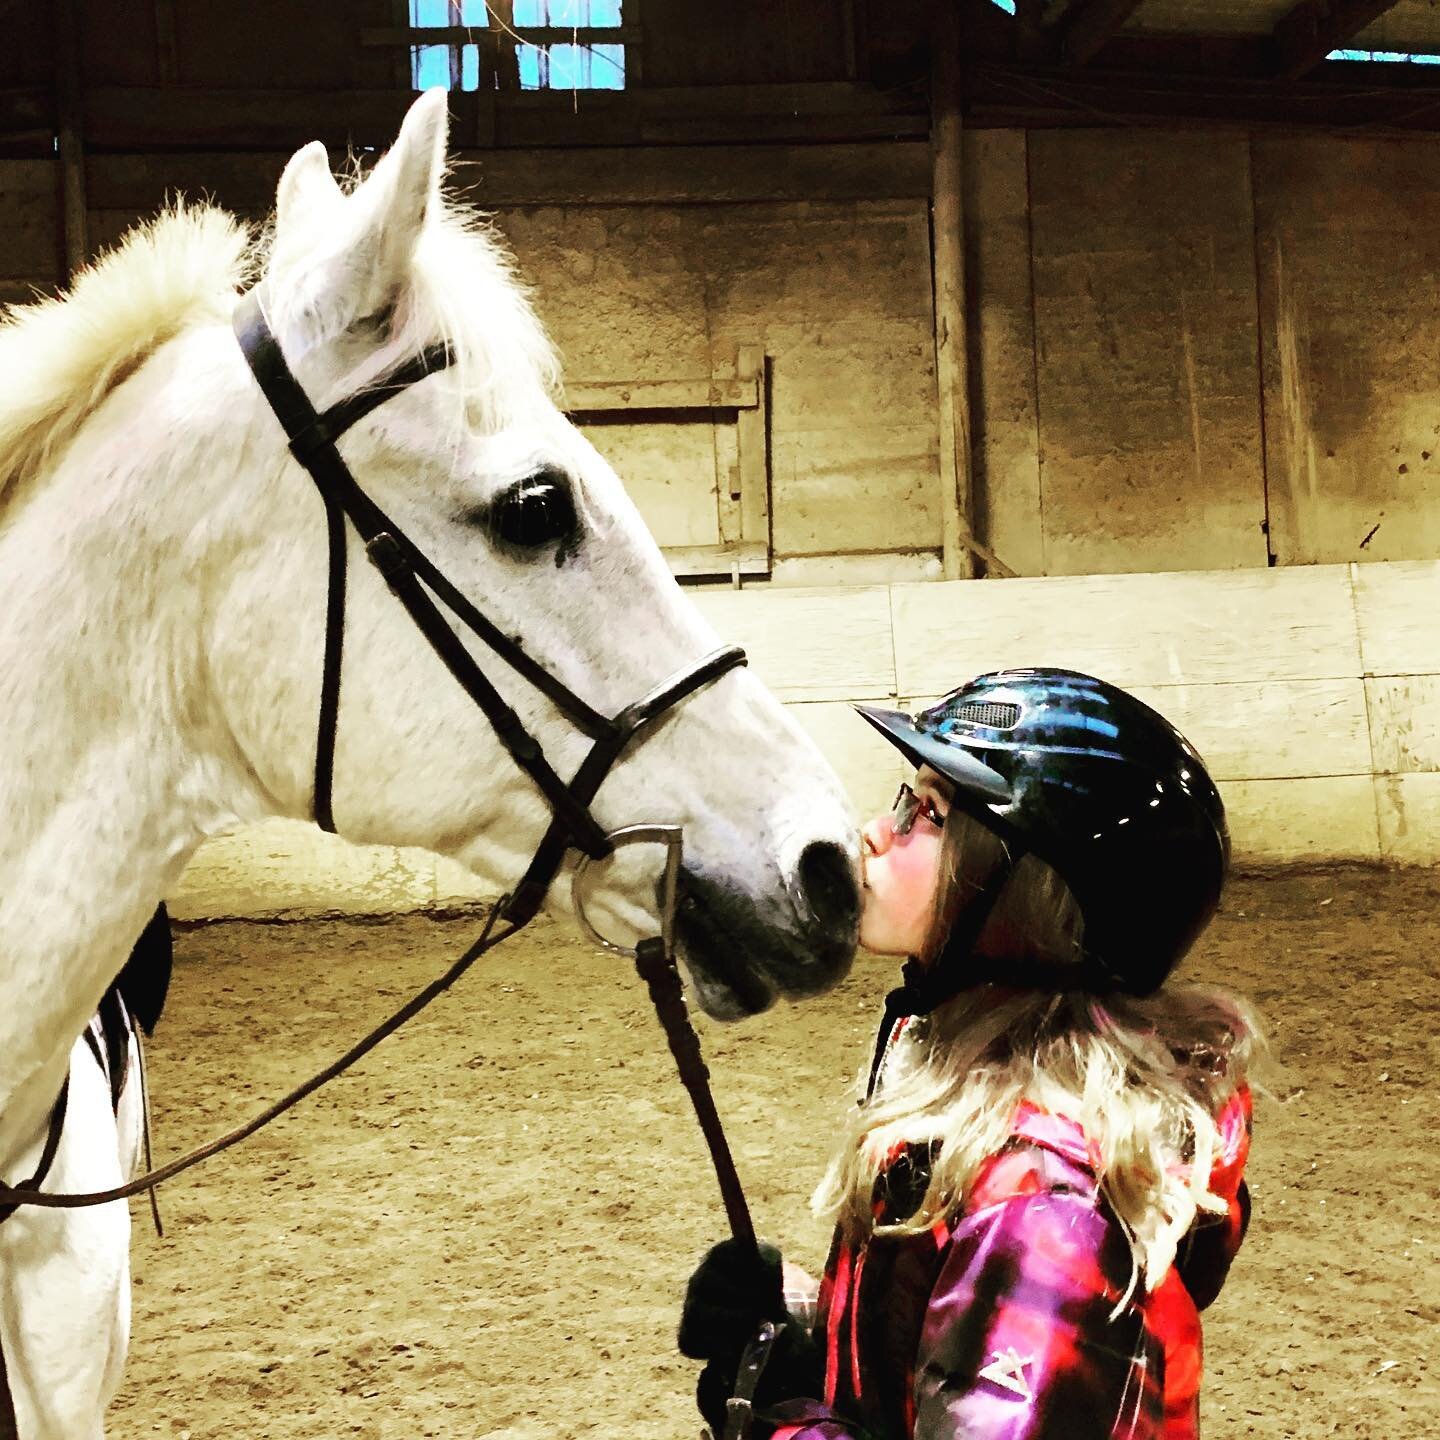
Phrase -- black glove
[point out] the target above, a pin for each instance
(732, 1290)
(730, 1293)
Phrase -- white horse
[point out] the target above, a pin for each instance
(164, 564)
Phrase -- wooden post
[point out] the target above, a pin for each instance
(947, 249)
(70, 138)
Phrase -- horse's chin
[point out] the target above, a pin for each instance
(741, 957)
(735, 995)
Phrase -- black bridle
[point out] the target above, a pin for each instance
(413, 578)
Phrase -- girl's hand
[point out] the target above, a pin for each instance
(732, 1290)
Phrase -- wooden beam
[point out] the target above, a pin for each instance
(1031, 42)
(120, 118)
(611, 397)
(69, 143)
(1088, 24)
(385, 36)
(167, 49)
(1305, 35)
(947, 248)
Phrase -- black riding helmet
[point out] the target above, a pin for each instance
(1102, 788)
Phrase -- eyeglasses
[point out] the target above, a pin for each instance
(909, 807)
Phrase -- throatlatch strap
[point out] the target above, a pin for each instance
(332, 669)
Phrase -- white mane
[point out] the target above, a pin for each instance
(61, 357)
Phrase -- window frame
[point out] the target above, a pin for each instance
(497, 47)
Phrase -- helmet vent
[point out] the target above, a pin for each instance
(994, 714)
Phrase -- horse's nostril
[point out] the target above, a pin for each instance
(828, 891)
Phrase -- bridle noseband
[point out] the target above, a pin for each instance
(413, 578)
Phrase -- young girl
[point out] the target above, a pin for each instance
(1043, 1185)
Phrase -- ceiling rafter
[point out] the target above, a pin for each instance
(1306, 34)
(1088, 24)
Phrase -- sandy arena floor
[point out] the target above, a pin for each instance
(484, 1231)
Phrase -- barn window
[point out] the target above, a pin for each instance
(1385, 57)
(519, 44)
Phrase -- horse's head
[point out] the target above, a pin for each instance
(485, 474)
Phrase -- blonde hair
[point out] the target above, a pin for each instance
(1144, 1078)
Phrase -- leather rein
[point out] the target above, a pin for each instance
(413, 579)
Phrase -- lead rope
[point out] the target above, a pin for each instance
(655, 963)
(28, 1194)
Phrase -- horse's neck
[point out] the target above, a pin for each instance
(104, 792)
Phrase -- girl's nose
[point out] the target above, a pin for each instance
(878, 835)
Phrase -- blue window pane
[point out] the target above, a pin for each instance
(607, 67)
(473, 12)
(529, 58)
(604, 12)
(567, 67)
(429, 12)
(430, 65)
(1391, 57)
(469, 67)
(529, 12)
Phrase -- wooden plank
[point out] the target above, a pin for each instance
(167, 52)
(1304, 35)
(1247, 730)
(1177, 628)
(740, 558)
(810, 644)
(1352, 459)
(1280, 821)
(751, 476)
(385, 37)
(1408, 811)
(119, 117)
(603, 397)
(25, 113)
(28, 197)
(1397, 612)
(1146, 352)
(1404, 723)
(595, 176)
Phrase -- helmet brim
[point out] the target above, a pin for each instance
(921, 747)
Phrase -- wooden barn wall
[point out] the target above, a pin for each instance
(1205, 350)
(1190, 350)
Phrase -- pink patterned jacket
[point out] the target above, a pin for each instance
(1002, 1324)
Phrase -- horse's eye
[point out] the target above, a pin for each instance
(534, 513)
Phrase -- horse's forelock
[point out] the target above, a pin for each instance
(61, 357)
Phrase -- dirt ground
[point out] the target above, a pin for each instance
(484, 1231)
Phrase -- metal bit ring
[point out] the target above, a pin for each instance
(672, 838)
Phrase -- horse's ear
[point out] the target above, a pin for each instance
(397, 198)
(326, 276)
(305, 184)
